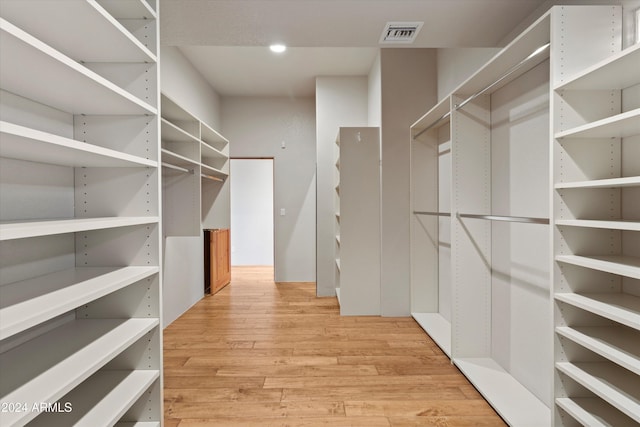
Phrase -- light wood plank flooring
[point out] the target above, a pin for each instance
(265, 354)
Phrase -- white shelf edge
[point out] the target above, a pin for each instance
(631, 181)
(74, 352)
(181, 160)
(611, 383)
(622, 349)
(338, 294)
(56, 293)
(102, 399)
(21, 230)
(621, 308)
(621, 265)
(431, 117)
(215, 153)
(618, 126)
(71, 67)
(592, 412)
(214, 171)
(613, 225)
(22, 143)
(511, 400)
(129, 9)
(621, 63)
(437, 327)
(178, 130)
(217, 136)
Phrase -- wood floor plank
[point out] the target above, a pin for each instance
(261, 354)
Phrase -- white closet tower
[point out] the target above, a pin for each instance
(80, 247)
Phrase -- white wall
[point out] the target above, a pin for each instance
(455, 65)
(185, 85)
(409, 89)
(256, 127)
(340, 101)
(252, 211)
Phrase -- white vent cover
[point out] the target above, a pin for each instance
(400, 32)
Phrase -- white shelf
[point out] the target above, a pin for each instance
(47, 20)
(621, 346)
(621, 125)
(48, 367)
(338, 295)
(210, 152)
(616, 72)
(513, 402)
(19, 142)
(178, 159)
(38, 72)
(101, 400)
(610, 382)
(438, 328)
(619, 307)
(213, 171)
(173, 133)
(27, 303)
(22, 230)
(211, 136)
(632, 181)
(434, 117)
(623, 265)
(612, 225)
(338, 263)
(593, 412)
(174, 113)
(129, 9)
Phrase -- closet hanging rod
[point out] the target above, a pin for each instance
(510, 71)
(212, 178)
(441, 118)
(178, 168)
(528, 220)
(432, 213)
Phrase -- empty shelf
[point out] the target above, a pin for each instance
(615, 72)
(593, 412)
(74, 352)
(517, 405)
(610, 382)
(619, 307)
(22, 143)
(619, 345)
(29, 302)
(209, 170)
(616, 264)
(619, 126)
(22, 230)
(172, 133)
(100, 400)
(212, 137)
(129, 9)
(612, 225)
(632, 181)
(177, 159)
(36, 71)
(108, 40)
(211, 152)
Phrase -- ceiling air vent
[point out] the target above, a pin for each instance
(400, 32)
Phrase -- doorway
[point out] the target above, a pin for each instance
(252, 218)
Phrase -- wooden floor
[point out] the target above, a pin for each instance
(265, 354)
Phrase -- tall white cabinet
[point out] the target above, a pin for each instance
(596, 210)
(80, 237)
(195, 168)
(357, 205)
(533, 294)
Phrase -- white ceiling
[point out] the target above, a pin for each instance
(227, 40)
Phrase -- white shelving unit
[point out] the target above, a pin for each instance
(358, 220)
(80, 242)
(596, 208)
(195, 167)
(431, 223)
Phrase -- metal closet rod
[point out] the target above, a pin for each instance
(432, 213)
(178, 168)
(529, 220)
(511, 70)
(212, 178)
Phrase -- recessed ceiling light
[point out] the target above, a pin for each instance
(277, 48)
